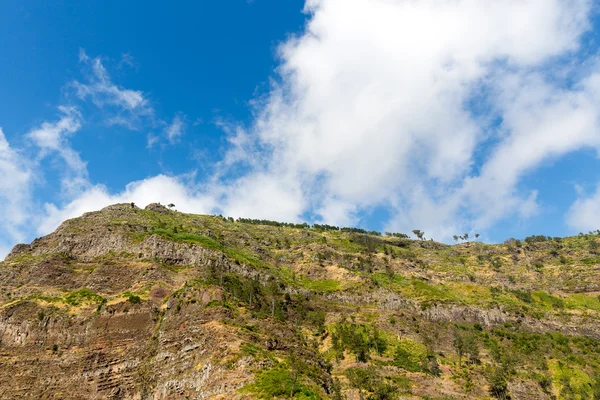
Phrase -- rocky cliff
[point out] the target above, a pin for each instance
(129, 303)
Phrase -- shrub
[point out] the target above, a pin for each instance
(523, 296)
(83, 296)
(404, 359)
(280, 382)
(498, 381)
(134, 299)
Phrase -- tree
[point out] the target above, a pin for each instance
(171, 205)
(273, 291)
(459, 345)
(455, 237)
(466, 236)
(297, 365)
(359, 379)
(418, 233)
(466, 344)
(378, 342)
(477, 236)
(498, 383)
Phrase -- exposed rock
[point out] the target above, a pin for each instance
(127, 304)
(158, 208)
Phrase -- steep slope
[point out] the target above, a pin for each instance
(127, 303)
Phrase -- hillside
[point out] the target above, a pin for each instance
(130, 303)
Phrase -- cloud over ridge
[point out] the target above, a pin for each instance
(372, 107)
(434, 110)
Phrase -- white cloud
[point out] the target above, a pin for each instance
(151, 140)
(161, 188)
(15, 186)
(584, 214)
(262, 196)
(53, 138)
(175, 129)
(371, 109)
(542, 122)
(128, 106)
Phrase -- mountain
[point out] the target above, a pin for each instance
(130, 303)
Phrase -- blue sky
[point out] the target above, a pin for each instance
(445, 116)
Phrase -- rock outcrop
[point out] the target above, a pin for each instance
(130, 303)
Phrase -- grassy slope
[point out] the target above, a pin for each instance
(328, 288)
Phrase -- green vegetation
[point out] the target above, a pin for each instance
(323, 312)
(84, 297)
(281, 381)
(132, 297)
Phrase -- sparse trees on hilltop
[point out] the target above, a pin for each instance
(419, 234)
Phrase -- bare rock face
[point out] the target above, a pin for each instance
(124, 351)
(18, 249)
(158, 208)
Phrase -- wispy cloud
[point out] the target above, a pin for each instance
(175, 130)
(129, 107)
(16, 180)
(127, 60)
(52, 138)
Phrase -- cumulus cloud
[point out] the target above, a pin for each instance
(584, 214)
(432, 109)
(542, 122)
(372, 107)
(164, 189)
(15, 201)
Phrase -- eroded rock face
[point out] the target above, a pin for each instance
(124, 351)
(127, 303)
(158, 208)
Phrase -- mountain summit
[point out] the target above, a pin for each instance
(130, 303)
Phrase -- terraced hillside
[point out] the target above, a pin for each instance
(130, 303)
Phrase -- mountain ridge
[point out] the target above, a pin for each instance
(152, 303)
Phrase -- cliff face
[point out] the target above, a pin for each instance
(127, 303)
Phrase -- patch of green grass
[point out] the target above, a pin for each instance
(238, 255)
(547, 301)
(132, 297)
(426, 291)
(581, 301)
(28, 258)
(393, 281)
(409, 355)
(590, 260)
(83, 296)
(203, 241)
(47, 299)
(343, 243)
(214, 303)
(279, 382)
(244, 257)
(175, 268)
(570, 381)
